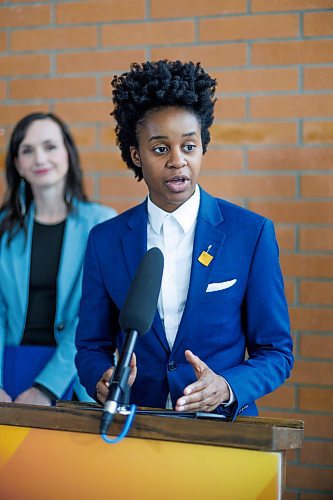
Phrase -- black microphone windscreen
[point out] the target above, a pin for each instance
(141, 302)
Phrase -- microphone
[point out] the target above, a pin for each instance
(136, 318)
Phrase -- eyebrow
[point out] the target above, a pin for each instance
(187, 134)
(24, 144)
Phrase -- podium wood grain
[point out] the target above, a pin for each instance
(255, 433)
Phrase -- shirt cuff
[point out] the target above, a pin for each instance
(232, 398)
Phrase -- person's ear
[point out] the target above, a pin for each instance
(135, 155)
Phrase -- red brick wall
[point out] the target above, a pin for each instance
(271, 147)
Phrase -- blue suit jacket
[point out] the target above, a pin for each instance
(14, 292)
(219, 326)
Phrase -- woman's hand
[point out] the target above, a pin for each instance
(102, 386)
(207, 393)
(33, 396)
(4, 397)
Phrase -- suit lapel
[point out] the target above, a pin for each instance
(210, 230)
(134, 247)
(19, 257)
(134, 240)
(72, 255)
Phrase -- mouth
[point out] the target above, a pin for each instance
(42, 171)
(177, 183)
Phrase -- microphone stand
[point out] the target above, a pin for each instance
(119, 390)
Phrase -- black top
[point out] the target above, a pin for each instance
(45, 257)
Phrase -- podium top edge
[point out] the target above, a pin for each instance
(256, 433)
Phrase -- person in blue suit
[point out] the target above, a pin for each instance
(220, 338)
(44, 225)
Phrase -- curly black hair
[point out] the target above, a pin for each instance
(152, 85)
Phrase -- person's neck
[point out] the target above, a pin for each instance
(50, 206)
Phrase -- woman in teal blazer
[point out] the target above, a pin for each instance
(44, 188)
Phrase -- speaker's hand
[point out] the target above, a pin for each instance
(102, 386)
(207, 393)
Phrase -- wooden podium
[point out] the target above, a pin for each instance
(55, 453)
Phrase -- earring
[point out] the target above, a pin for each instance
(22, 196)
(67, 197)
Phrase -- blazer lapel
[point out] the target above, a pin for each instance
(19, 258)
(210, 232)
(134, 247)
(72, 255)
(134, 240)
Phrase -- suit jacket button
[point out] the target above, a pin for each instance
(172, 366)
(60, 326)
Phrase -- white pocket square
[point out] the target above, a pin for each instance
(215, 287)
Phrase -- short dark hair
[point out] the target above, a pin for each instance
(13, 209)
(160, 84)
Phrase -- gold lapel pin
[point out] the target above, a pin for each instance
(205, 258)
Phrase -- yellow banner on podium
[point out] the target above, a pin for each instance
(39, 464)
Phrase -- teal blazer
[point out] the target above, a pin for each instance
(60, 371)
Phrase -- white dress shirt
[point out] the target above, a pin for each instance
(173, 234)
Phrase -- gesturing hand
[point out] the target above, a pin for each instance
(208, 392)
(102, 386)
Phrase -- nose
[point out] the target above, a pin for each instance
(40, 156)
(176, 159)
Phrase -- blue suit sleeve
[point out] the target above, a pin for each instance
(98, 315)
(266, 327)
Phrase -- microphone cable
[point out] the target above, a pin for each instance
(125, 430)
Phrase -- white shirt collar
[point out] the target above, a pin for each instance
(185, 215)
